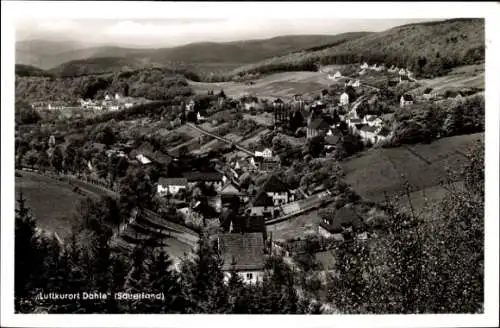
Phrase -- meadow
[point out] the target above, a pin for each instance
(52, 202)
(378, 172)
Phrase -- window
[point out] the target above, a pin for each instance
(249, 276)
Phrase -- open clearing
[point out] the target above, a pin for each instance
(282, 85)
(52, 202)
(379, 171)
(470, 76)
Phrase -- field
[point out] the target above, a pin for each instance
(283, 85)
(52, 202)
(380, 171)
(463, 77)
(298, 226)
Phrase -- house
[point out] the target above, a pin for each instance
(266, 153)
(344, 99)
(369, 133)
(251, 105)
(190, 105)
(201, 115)
(143, 159)
(272, 194)
(362, 72)
(317, 127)
(278, 103)
(372, 120)
(353, 122)
(406, 100)
(348, 83)
(171, 186)
(343, 222)
(243, 253)
(337, 75)
(402, 71)
(364, 65)
(208, 178)
(428, 94)
(356, 84)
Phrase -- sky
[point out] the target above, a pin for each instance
(173, 32)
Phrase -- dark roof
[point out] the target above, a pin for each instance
(278, 100)
(371, 118)
(355, 120)
(360, 126)
(407, 97)
(319, 124)
(172, 181)
(243, 251)
(344, 217)
(202, 176)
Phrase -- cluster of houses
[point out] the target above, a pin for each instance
(109, 103)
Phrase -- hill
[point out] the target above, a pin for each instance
(28, 70)
(44, 54)
(429, 49)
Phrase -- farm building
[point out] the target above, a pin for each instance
(244, 253)
(372, 120)
(368, 133)
(406, 100)
(343, 222)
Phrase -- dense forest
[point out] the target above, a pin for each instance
(151, 83)
(427, 49)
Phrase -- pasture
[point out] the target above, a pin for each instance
(463, 77)
(377, 172)
(52, 202)
(278, 85)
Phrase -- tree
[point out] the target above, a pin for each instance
(27, 261)
(43, 159)
(57, 159)
(315, 146)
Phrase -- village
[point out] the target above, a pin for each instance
(236, 186)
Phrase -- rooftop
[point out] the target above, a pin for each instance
(202, 176)
(242, 251)
(343, 217)
(172, 181)
(319, 124)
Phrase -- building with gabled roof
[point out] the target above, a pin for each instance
(316, 127)
(171, 186)
(343, 220)
(243, 253)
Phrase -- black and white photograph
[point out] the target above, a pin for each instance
(215, 158)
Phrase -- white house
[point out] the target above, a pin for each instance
(107, 97)
(143, 159)
(406, 100)
(372, 120)
(113, 107)
(364, 65)
(117, 96)
(243, 253)
(200, 116)
(171, 186)
(402, 71)
(266, 153)
(251, 105)
(356, 84)
(337, 75)
(344, 99)
(362, 72)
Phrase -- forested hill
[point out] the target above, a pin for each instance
(150, 83)
(239, 52)
(428, 49)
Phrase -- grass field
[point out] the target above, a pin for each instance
(298, 226)
(470, 76)
(52, 202)
(283, 85)
(424, 166)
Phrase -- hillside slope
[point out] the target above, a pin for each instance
(45, 55)
(429, 49)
